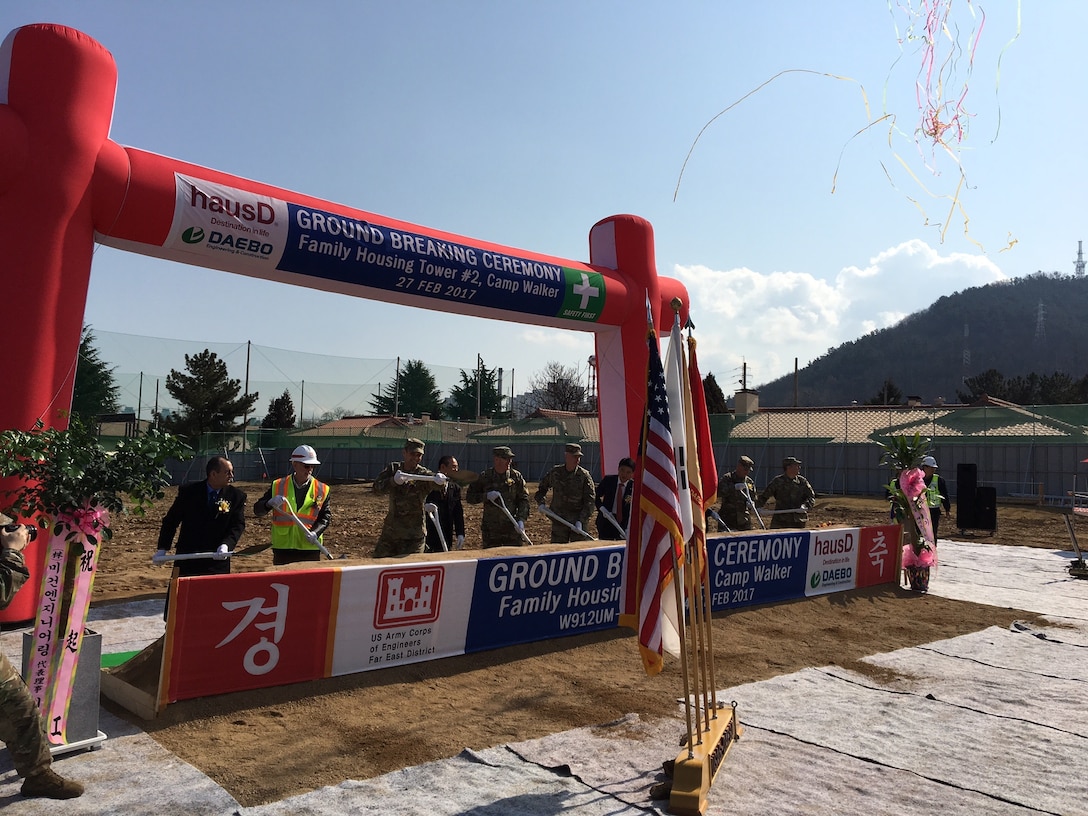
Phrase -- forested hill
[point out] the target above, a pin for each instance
(998, 325)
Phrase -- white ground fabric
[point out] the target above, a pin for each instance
(995, 722)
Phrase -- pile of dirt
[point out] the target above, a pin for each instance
(265, 745)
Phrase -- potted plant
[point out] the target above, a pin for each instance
(66, 482)
(906, 495)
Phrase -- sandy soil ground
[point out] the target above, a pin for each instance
(267, 745)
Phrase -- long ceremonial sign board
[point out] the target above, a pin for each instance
(254, 630)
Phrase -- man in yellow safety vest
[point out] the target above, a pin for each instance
(299, 504)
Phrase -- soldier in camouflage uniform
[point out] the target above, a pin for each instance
(404, 531)
(501, 481)
(572, 496)
(790, 491)
(735, 510)
(21, 726)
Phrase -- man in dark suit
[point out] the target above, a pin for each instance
(212, 517)
(614, 495)
(451, 513)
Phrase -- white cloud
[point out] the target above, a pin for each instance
(767, 319)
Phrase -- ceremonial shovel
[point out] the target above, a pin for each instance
(432, 513)
(163, 559)
(612, 520)
(547, 512)
(419, 477)
(721, 521)
(748, 497)
(502, 506)
(287, 508)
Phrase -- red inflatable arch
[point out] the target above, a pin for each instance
(64, 185)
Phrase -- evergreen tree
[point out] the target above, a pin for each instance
(1024, 390)
(463, 396)
(95, 391)
(715, 399)
(889, 394)
(209, 399)
(990, 383)
(281, 412)
(558, 388)
(415, 394)
(1057, 389)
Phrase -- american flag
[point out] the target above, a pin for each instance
(656, 541)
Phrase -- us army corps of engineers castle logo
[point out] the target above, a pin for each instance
(408, 596)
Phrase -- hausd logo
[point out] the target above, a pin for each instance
(262, 212)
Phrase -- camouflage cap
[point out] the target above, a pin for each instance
(502, 451)
(573, 448)
(790, 460)
(413, 444)
(746, 460)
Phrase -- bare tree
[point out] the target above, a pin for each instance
(559, 388)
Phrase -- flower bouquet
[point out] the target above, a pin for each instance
(906, 495)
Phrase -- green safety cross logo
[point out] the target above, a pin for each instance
(585, 294)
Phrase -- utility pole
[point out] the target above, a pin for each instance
(396, 392)
(245, 414)
(479, 384)
(795, 382)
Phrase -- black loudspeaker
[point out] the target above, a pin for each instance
(986, 509)
(966, 499)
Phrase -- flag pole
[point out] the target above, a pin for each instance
(678, 579)
(702, 435)
(694, 770)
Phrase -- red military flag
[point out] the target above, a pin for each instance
(696, 496)
(655, 543)
(708, 469)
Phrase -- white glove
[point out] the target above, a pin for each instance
(460, 542)
(221, 553)
(277, 502)
(542, 508)
(400, 478)
(578, 526)
(312, 537)
(159, 555)
(493, 495)
(521, 526)
(440, 479)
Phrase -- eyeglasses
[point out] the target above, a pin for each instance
(31, 532)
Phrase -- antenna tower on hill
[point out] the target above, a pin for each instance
(1078, 264)
(966, 353)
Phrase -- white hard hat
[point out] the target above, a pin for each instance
(306, 455)
(929, 461)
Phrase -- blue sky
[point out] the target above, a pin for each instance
(526, 123)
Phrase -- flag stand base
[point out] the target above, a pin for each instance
(695, 769)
